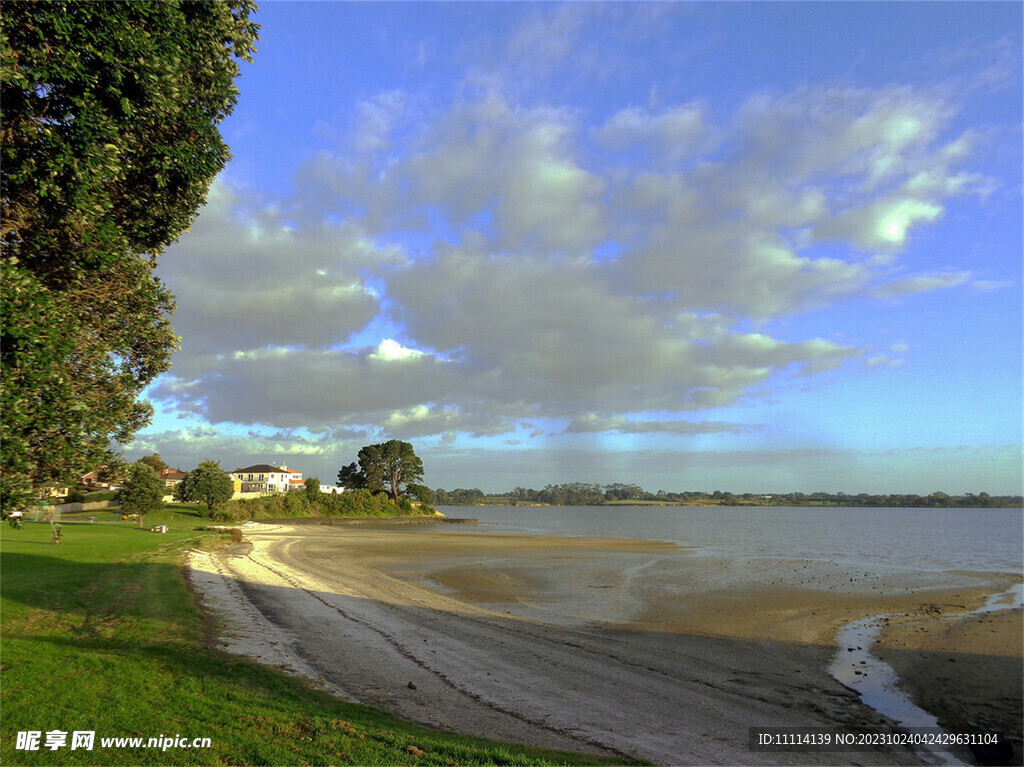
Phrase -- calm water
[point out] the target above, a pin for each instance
(919, 539)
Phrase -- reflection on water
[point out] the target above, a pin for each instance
(875, 681)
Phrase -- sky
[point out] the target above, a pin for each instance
(755, 247)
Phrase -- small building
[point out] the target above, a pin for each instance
(93, 482)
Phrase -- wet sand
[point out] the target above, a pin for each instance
(635, 648)
(968, 672)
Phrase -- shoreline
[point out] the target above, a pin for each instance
(546, 640)
(437, 518)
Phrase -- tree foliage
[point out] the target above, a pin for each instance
(155, 462)
(351, 478)
(384, 467)
(206, 484)
(110, 142)
(421, 493)
(143, 492)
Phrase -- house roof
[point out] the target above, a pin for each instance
(171, 474)
(263, 468)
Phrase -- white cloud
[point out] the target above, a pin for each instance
(377, 118)
(854, 168)
(287, 388)
(885, 224)
(675, 133)
(185, 448)
(543, 40)
(390, 350)
(518, 165)
(867, 136)
(427, 420)
(291, 285)
(883, 360)
(920, 284)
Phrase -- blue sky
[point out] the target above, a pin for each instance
(755, 247)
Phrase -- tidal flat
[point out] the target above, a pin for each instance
(619, 646)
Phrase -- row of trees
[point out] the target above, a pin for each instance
(583, 494)
(572, 494)
(143, 491)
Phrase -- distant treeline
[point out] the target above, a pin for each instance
(581, 494)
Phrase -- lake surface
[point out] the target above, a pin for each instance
(939, 540)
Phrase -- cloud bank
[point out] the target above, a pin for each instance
(525, 272)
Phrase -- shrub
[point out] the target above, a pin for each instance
(355, 503)
(293, 505)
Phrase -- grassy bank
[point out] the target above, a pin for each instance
(100, 633)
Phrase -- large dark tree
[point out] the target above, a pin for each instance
(108, 125)
(390, 465)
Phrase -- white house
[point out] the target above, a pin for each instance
(264, 478)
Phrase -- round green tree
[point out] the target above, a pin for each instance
(206, 484)
(389, 465)
(143, 492)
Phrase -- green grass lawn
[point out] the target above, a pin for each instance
(100, 633)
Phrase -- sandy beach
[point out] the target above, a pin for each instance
(619, 646)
